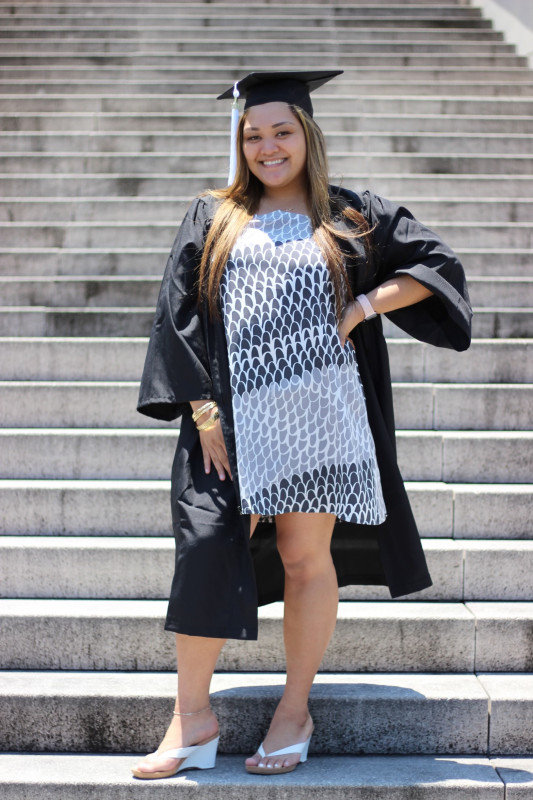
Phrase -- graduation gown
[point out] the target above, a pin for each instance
(222, 575)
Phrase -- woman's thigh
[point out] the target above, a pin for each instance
(301, 535)
(301, 531)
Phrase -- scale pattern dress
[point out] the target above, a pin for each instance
(302, 436)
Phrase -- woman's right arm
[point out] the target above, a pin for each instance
(213, 444)
(176, 367)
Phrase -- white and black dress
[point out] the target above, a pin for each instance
(303, 440)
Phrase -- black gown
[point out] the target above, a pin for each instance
(221, 574)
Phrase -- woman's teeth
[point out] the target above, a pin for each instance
(273, 163)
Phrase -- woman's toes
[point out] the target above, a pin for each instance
(154, 763)
(144, 767)
(271, 763)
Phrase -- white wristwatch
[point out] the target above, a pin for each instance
(366, 305)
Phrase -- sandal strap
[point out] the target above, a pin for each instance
(179, 752)
(185, 752)
(294, 748)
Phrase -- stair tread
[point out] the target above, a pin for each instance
(434, 109)
(349, 610)
(56, 776)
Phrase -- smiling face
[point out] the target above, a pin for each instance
(274, 147)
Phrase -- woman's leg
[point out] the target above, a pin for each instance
(197, 657)
(311, 600)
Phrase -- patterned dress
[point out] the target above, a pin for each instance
(302, 436)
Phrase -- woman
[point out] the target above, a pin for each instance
(268, 344)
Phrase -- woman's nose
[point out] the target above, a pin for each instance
(269, 146)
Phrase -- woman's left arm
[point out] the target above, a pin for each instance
(403, 247)
(395, 293)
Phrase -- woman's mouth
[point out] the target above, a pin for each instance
(273, 162)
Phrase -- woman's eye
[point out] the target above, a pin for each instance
(283, 133)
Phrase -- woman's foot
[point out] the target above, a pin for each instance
(287, 728)
(184, 731)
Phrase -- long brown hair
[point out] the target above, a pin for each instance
(241, 200)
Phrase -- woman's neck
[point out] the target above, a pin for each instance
(280, 201)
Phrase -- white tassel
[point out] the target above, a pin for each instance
(233, 144)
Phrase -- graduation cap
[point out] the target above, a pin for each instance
(271, 87)
(288, 87)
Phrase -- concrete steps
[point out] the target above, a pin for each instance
(141, 261)
(179, 38)
(341, 29)
(64, 210)
(260, 23)
(419, 406)
(369, 637)
(150, 163)
(434, 110)
(85, 567)
(200, 107)
(320, 41)
(121, 359)
(135, 321)
(363, 12)
(467, 778)
(375, 142)
(515, 235)
(262, 58)
(163, 121)
(132, 18)
(371, 88)
(101, 67)
(358, 713)
(138, 291)
(153, 58)
(208, 78)
(192, 7)
(140, 454)
(150, 185)
(99, 507)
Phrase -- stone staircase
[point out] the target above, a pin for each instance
(109, 127)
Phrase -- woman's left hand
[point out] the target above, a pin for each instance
(353, 315)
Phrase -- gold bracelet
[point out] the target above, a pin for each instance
(206, 407)
(211, 422)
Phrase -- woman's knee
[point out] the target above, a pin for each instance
(303, 542)
(302, 563)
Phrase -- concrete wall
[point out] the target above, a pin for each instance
(521, 9)
(515, 19)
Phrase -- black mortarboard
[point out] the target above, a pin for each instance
(288, 87)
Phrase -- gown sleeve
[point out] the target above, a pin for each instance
(404, 246)
(176, 368)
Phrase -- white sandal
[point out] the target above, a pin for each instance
(198, 756)
(300, 748)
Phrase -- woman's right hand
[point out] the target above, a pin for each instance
(213, 444)
(214, 450)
